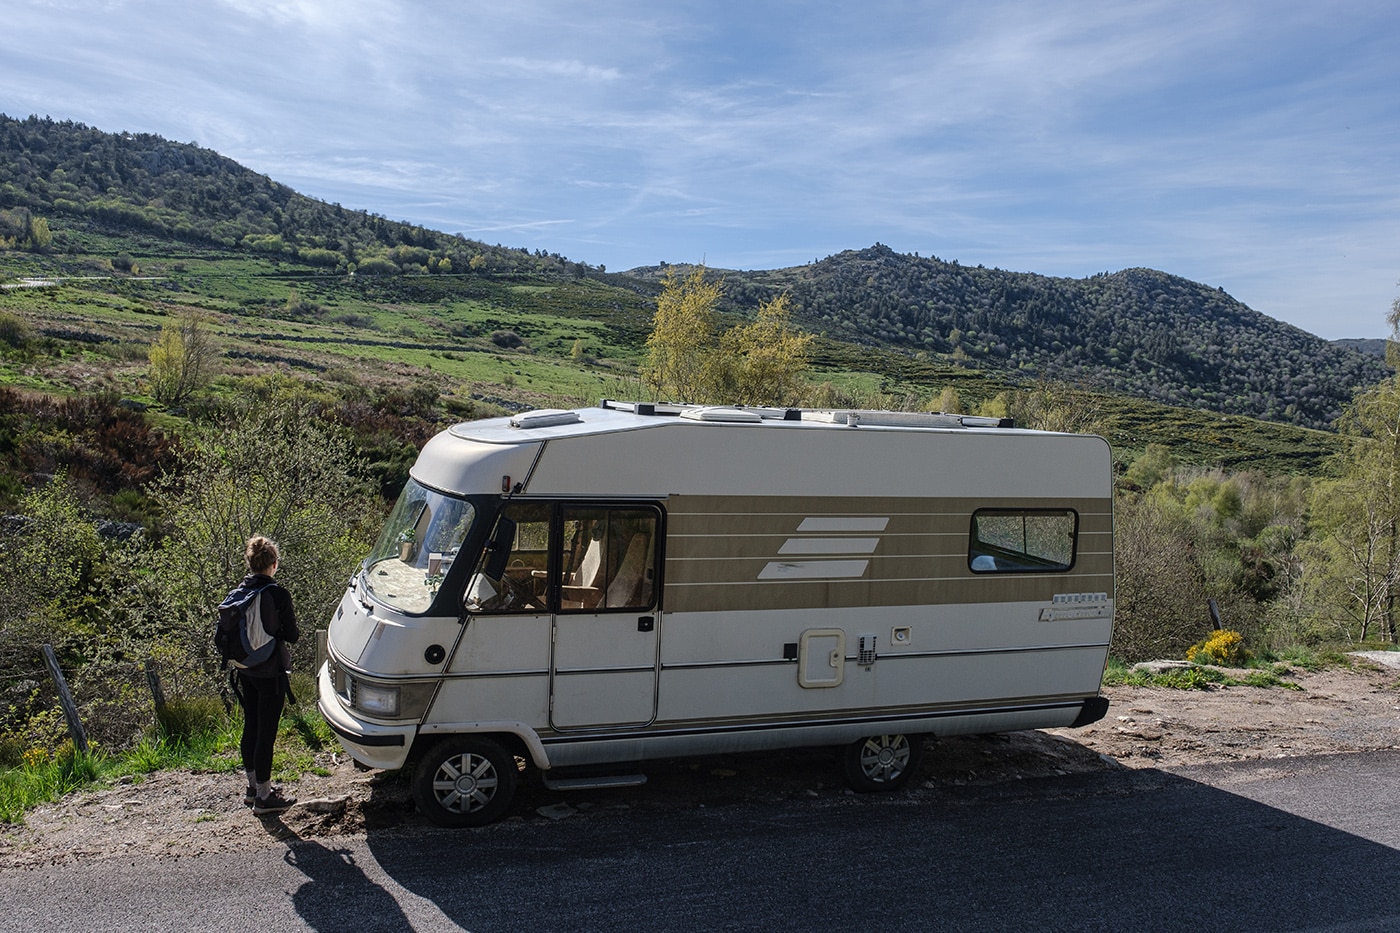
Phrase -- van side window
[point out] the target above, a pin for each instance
(608, 559)
(582, 559)
(1022, 540)
(524, 585)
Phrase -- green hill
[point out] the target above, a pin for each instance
(140, 183)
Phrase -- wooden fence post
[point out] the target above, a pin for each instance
(1214, 613)
(70, 709)
(153, 681)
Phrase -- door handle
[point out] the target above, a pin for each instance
(646, 624)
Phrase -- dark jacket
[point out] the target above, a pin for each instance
(278, 618)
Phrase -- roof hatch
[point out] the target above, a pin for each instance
(721, 414)
(544, 418)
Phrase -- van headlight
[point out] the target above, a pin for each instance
(381, 700)
(377, 700)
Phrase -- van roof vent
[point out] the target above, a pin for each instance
(721, 414)
(544, 418)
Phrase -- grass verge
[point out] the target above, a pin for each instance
(194, 735)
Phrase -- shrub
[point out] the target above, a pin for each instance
(15, 332)
(185, 718)
(375, 265)
(1224, 647)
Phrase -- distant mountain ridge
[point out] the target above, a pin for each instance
(1136, 331)
(1372, 346)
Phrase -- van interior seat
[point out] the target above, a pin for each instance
(623, 590)
(584, 587)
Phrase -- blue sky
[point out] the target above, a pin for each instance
(1249, 145)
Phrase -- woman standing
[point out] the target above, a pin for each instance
(262, 689)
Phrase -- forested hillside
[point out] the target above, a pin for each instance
(145, 183)
(1137, 331)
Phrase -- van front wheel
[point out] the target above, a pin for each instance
(882, 762)
(465, 781)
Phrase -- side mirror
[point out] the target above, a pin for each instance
(498, 549)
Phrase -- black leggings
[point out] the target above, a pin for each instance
(262, 702)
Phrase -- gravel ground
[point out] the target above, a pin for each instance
(174, 814)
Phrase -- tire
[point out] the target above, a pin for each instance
(882, 762)
(465, 781)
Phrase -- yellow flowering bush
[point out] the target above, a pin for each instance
(35, 757)
(1224, 647)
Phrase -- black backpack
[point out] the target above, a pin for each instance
(239, 635)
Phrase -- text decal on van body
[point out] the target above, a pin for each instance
(1068, 606)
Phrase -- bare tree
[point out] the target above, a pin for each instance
(1161, 594)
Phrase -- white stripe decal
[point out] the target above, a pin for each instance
(843, 523)
(813, 569)
(829, 546)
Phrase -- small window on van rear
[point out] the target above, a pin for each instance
(1022, 540)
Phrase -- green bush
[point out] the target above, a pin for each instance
(186, 718)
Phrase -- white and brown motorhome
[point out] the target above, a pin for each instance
(629, 582)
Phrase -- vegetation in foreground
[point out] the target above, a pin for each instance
(194, 734)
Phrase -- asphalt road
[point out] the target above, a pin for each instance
(1289, 844)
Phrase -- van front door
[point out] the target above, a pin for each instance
(603, 669)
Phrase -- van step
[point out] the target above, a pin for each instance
(591, 783)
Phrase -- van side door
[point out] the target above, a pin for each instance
(605, 659)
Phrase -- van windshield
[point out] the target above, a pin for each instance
(419, 542)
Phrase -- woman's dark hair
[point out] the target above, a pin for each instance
(261, 554)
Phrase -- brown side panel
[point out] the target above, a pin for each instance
(746, 552)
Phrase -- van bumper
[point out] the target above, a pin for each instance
(1095, 708)
(372, 744)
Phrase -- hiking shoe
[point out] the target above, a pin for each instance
(272, 803)
(250, 796)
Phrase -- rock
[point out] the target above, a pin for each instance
(1160, 667)
(1388, 658)
(556, 811)
(331, 805)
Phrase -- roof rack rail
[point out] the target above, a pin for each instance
(851, 417)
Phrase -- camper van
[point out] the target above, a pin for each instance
(579, 591)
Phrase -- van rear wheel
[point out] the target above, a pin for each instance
(465, 781)
(882, 762)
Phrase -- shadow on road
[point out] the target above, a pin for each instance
(1114, 850)
(337, 895)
